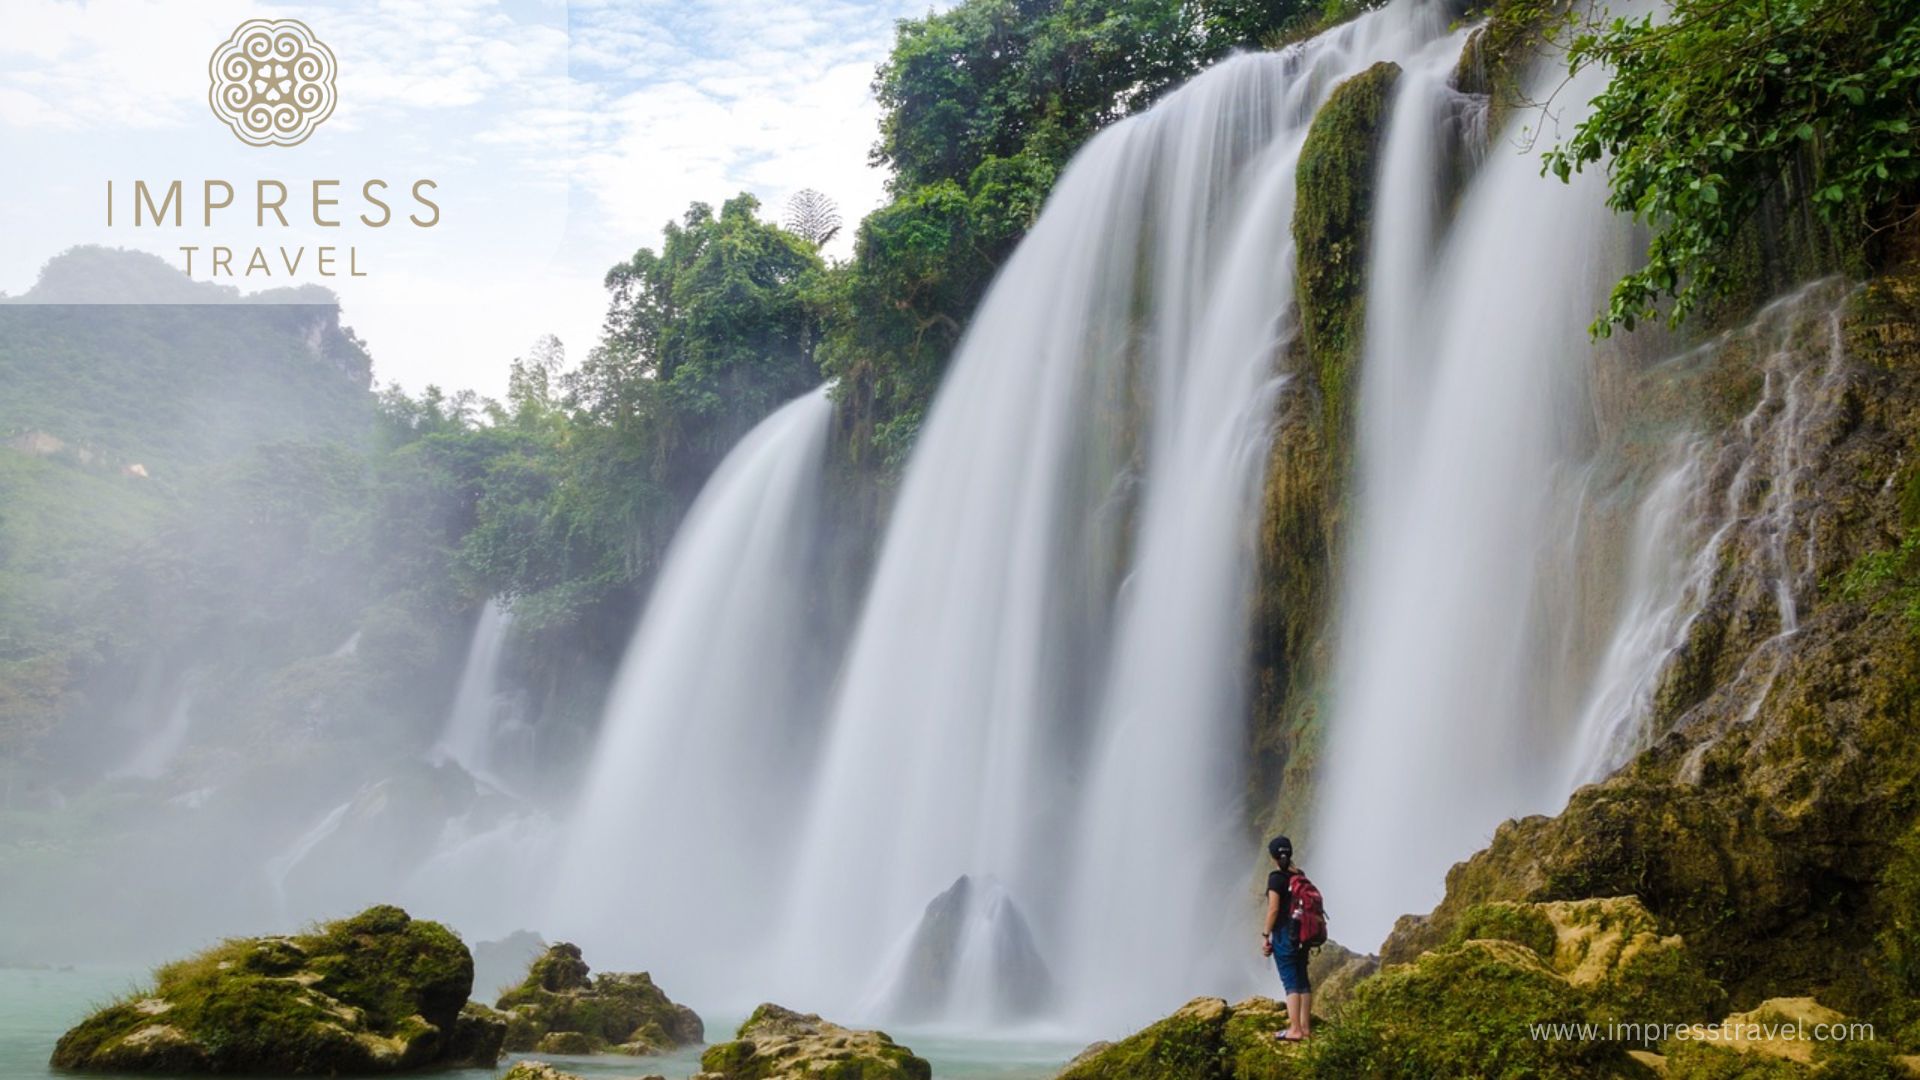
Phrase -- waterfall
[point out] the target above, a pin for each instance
(1043, 688)
(1473, 413)
(156, 753)
(476, 720)
(675, 855)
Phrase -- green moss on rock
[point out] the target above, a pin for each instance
(560, 1008)
(380, 992)
(1332, 232)
(1303, 507)
(1206, 1039)
(1522, 924)
(1462, 1011)
(776, 1043)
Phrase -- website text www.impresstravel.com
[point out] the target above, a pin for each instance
(1653, 1033)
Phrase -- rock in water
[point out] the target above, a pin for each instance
(971, 955)
(536, 1070)
(378, 993)
(559, 1009)
(780, 1044)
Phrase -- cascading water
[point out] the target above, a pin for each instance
(1434, 736)
(1123, 363)
(475, 721)
(1028, 776)
(674, 856)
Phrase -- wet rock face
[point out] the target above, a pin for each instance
(972, 941)
(777, 1043)
(561, 1009)
(378, 993)
(1783, 765)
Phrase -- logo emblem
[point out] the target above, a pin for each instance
(272, 82)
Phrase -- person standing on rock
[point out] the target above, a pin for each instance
(1296, 924)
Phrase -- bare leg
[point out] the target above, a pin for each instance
(1296, 1009)
(1305, 1023)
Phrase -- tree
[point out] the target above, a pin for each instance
(813, 217)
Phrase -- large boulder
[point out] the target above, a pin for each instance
(780, 1044)
(561, 1009)
(378, 993)
(971, 935)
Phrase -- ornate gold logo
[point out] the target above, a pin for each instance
(272, 82)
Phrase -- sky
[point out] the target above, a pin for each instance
(560, 136)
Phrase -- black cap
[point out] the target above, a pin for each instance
(1280, 848)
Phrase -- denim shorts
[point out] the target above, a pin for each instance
(1291, 962)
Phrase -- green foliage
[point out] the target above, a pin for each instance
(1718, 103)
(1888, 579)
(703, 338)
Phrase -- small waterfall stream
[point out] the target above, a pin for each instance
(478, 716)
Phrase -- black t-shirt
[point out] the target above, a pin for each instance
(1280, 881)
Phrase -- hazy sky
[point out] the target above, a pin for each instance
(561, 135)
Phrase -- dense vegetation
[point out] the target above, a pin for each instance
(1717, 107)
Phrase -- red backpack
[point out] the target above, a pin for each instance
(1309, 912)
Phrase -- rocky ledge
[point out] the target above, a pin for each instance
(1487, 1002)
(559, 1009)
(378, 993)
(780, 1044)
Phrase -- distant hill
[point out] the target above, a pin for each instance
(116, 358)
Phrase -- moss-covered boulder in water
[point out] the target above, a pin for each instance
(378, 993)
(561, 1009)
(1206, 1039)
(780, 1044)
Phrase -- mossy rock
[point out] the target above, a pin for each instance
(378, 993)
(1303, 512)
(561, 1008)
(1462, 1011)
(1332, 233)
(479, 1037)
(1206, 1039)
(1779, 1039)
(1335, 970)
(536, 1070)
(776, 1043)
